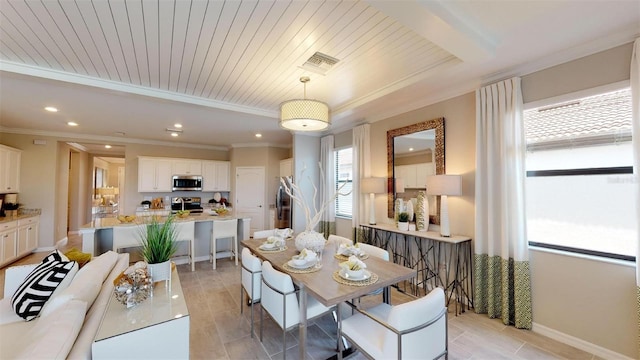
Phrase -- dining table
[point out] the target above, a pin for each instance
(323, 283)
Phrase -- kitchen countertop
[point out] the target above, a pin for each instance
(107, 223)
(14, 218)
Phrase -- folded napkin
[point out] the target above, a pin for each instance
(353, 264)
(306, 254)
(348, 249)
(284, 233)
(274, 240)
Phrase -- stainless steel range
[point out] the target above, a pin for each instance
(192, 204)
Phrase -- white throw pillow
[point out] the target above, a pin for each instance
(86, 284)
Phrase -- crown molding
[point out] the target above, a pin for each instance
(63, 136)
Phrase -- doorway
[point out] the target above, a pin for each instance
(250, 195)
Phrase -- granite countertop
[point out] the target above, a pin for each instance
(106, 223)
(14, 218)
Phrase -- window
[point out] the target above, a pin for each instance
(579, 176)
(344, 177)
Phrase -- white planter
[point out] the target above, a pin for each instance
(403, 226)
(311, 240)
(160, 271)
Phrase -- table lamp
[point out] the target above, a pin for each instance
(444, 185)
(372, 186)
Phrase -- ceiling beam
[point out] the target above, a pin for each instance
(436, 22)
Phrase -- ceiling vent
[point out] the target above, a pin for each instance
(319, 63)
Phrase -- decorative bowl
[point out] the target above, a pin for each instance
(126, 218)
(356, 274)
(298, 261)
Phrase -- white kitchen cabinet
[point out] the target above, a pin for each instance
(28, 235)
(286, 167)
(9, 169)
(216, 176)
(414, 175)
(187, 167)
(154, 174)
(8, 239)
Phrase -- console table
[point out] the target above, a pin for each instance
(157, 328)
(438, 260)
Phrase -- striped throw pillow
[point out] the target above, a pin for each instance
(38, 286)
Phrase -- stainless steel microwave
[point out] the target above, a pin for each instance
(187, 183)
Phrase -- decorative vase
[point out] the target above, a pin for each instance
(422, 212)
(404, 226)
(160, 271)
(398, 209)
(310, 240)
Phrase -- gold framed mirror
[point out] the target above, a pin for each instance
(426, 140)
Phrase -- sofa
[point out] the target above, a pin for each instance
(68, 321)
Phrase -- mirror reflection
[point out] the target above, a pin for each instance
(414, 152)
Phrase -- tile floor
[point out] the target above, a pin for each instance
(218, 331)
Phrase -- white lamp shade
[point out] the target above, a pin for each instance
(304, 115)
(444, 185)
(399, 186)
(373, 185)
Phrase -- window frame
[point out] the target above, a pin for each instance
(338, 182)
(582, 171)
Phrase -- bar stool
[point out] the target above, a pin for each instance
(186, 231)
(125, 236)
(224, 229)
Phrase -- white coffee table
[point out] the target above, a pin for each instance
(156, 328)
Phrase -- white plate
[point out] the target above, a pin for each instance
(270, 248)
(304, 266)
(365, 276)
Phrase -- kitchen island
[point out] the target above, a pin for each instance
(97, 236)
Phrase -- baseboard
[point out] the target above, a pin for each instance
(598, 351)
(45, 249)
(62, 242)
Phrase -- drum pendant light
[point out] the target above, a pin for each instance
(304, 114)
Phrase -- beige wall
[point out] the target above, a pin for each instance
(37, 180)
(459, 114)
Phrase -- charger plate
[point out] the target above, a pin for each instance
(345, 257)
(372, 280)
(308, 270)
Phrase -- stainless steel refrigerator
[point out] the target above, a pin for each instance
(283, 207)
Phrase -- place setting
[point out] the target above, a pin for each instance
(345, 251)
(273, 244)
(354, 272)
(307, 261)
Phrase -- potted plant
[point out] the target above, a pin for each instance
(158, 246)
(403, 221)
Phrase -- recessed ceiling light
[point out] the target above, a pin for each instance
(177, 125)
(51, 109)
(71, 123)
(410, 149)
(174, 134)
(258, 135)
(107, 146)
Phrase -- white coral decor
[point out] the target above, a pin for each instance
(310, 239)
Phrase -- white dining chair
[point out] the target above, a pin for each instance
(337, 240)
(224, 229)
(185, 231)
(263, 234)
(413, 330)
(279, 300)
(125, 236)
(251, 279)
(376, 252)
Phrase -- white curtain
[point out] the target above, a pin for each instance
(635, 137)
(328, 185)
(502, 275)
(361, 169)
